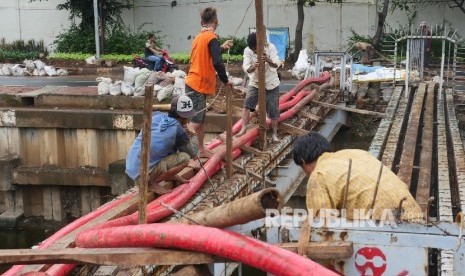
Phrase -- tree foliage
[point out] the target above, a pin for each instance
(411, 5)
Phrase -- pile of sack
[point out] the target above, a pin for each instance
(31, 68)
(166, 85)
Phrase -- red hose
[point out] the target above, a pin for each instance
(209, 240)
(14, 270)
(181, 194)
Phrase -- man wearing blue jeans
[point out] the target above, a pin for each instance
(153, 53)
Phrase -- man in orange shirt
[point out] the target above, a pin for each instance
(205, 63)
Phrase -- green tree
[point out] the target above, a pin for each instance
(300, 23)
(109, 14)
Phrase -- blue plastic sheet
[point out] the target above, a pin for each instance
(279, 37)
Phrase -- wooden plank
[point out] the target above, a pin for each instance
(304, 238)
(310, 116)
(292, 130)
(152, 256)
(354, 110)
(426, 157)
(411, 135)
(106, 256)
(329, 250)
(143, 179)
(251, 150)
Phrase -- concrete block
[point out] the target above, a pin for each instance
(52, 204)
(7, 164)
(10, 219)
(120, 181)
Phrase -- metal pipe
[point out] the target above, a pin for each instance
(407, 69)
(442, 66)
(97, 40)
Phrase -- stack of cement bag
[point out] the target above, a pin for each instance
(165, 85)
(31, 68)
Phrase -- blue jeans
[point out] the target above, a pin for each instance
(157, 60)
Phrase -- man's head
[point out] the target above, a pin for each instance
(151, 37)
(182, 107)
(209, 17)
(423, 25)
(252, 41)
(307, 148)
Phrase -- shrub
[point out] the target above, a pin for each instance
(19, 50)
(120, 40)
(239, 45)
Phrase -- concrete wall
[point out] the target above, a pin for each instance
(326, 26)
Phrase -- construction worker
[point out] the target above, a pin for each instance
(170, 147)
(205, 64)
(426, 34)
(328, 171)
(367, 51)
(250, 65)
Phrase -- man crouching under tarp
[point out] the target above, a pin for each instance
(170, 147)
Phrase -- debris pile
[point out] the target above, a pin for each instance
(31, 68)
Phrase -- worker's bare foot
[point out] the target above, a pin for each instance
(205, 153)
(242, 131)
(275, 138)
(158, 189)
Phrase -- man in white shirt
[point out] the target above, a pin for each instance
(250, 64)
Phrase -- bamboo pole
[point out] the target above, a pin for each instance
(261, 74)
(144, 162)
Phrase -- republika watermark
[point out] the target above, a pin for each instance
(293, 218)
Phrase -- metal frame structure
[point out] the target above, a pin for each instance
(345, 59)
(394, 244)
(414, 58)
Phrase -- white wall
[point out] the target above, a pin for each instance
(326, 26)
(20, 19)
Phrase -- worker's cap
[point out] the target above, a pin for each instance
(423, 23)
(183, 106)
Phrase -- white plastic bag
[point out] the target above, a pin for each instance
(165, 93)
(301, 65)
(6, 70)
(103, 87)
(16, 70)
(127, 89)
(179, 74)
(91, 60)
(130, 74)
(39, 64)
(141, 78)
(62, 72)
(179, 87)
(29, 65)
(115, 88)
(50, 70)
